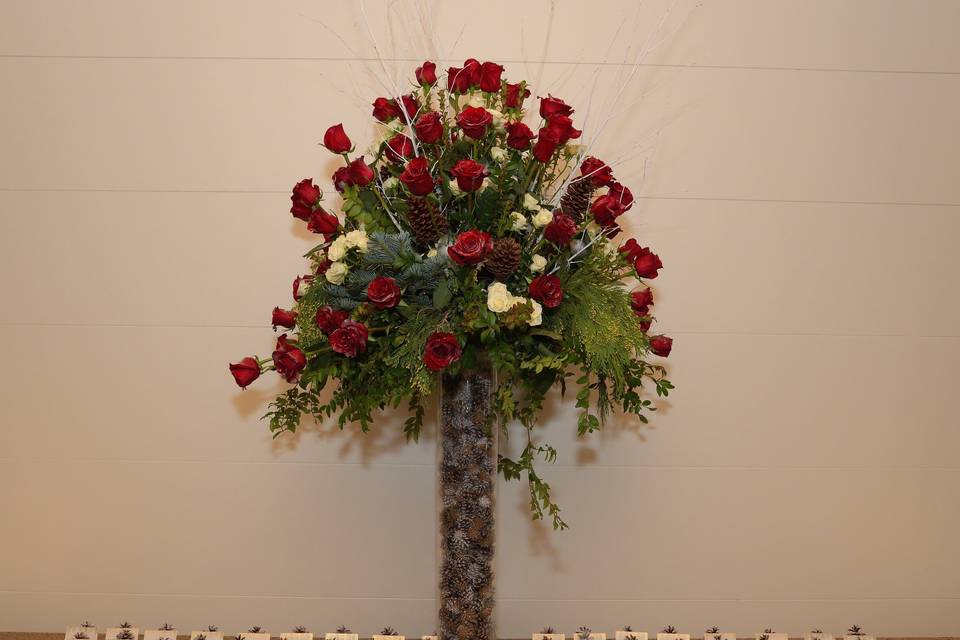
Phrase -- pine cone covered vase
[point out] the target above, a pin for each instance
(426, 221)
(576, 199)
(504, 260)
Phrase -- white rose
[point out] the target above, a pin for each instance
(390, 184)
(455, 189)
(536, 317)
(358, 239)
(498, 121)
(337, 248)
(543, 218)
(498, 154)
(538, 263)
(499, 299)
(518, 221)
(476, 100)
(336, 272)
(530, 203)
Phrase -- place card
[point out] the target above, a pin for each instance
(206, 635)
(549, 636)
(295, 635)
(580, 635)
(387, 636)
(256, 635)
(342, 636)
(719, 636)
(122, 633)
(859, 637)
(769, 635)
(673, 636)
(817, 635)
(430, 638)
(80, 633)
(159, 634)
(631, 635)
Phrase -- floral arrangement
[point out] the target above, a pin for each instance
(466, 236)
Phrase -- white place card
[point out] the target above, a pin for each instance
(633, 635)
(90, 633)
(296, 635)
(719, 636)
(112, 633)
(852, 637)
(253, 636)
(430, 638)
(342, 636)
(673, 636)
(549, 636)
(159, 634)
(818, 636)
(378, 636)
(773, 636)
(206, 635)
(592, 636)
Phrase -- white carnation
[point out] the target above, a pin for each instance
(518, 221)
(336, 272)
(337, 248)
(538, 263)
(543, 218)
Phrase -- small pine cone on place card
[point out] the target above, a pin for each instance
(576, 199)
(426, 221)
(504, 260)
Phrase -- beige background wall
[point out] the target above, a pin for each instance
(803, 196)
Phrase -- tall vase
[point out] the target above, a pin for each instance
(468, 475)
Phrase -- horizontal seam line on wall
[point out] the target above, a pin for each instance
(638, 197)
(575, 63)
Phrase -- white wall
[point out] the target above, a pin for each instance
(803, 197)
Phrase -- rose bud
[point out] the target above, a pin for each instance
(288, 359)
(547, 291)
(342, 179)
(472, 67)
(410, 106)
(519, 136)
(563, 127)
(416, 177)
(304, 198)
(606, 209)
(474, 121)
(561, 230)
(283, 318)
(647, 263)
(515, 95)
(458, 80)
(399, 147)
(645, 323)
(441, 350)
(490, 77)
(300, 283)
(547, 142)
(661, 345)
(360, 172)
(426, 74)
(349, 339)
(641, 300)
(622, 195)
(470, 247)
(336, 140)
(322, 222)
(598, 171)
(469, 174)
(383, 292)
(329, 319)
(429, 127)
(630, 249)
(385, 109)
(245, 372)
(551, 106)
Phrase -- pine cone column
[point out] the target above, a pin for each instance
(426, 221)
(504, 260)
(576, 198)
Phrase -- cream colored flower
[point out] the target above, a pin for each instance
(390, 184)
(518, 221)
(357, 238)
(498, 120)
(498, 154)
(476, 99)
(538, 263)
(536, 317)
(337, 248)
(530, 203)
(455, 189)
(543, 218)
(593, 228)
(499, 299)
(336, 272)
(432, 253)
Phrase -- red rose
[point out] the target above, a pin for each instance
(661, 345)
(490, 77)
(441, 350)
(399, 147)
(336, 140)
(429, 127)
(622, 195)
(305, 197)
(519, 135)
(283, 318)
(322, 222)
(323, 265)
(342, 179)
(631, 249)
(300, 282)
(469, 174)
(641, 300)
(515, 95)
(416, 177)
(472, 68)
(606, 209)
(547, 142)
(458, 80)
(562, 126)
(410, 106)
(385, 109)
(474, 121)
(551, 106)
(546, 290)
(360, 172)
(561, 230)
(245, 372)
(350, 339)
(598, 171)
(470, 247)
(288, 359)
(383, 292)
(329, 319)
(426, 74)
(645, 323)
(645, 262)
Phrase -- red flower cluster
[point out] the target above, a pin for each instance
(557, 131)
(645, 262)
(288, 360)
(474, 75)
(387, 109)
(305, 197)
(349, 339)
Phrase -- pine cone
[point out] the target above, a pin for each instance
(426, 222)
(576, 199)
(504, 260)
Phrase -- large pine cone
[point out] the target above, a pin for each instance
(576, 199)
(504, 260)
(426, 221)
